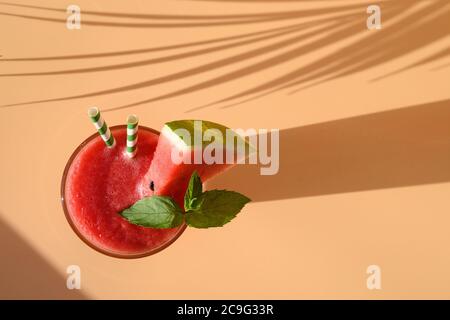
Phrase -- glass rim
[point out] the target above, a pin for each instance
(72, 224)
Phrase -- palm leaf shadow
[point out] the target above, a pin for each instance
(413, 32)
(396, 46)
(199, 20)
(261, 36)
(146, 50)
(396, 40)
(186, 73)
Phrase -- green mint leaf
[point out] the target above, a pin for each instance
(154, 212)
(193, 191)
(215, 208)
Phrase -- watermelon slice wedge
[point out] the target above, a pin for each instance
(167, 177)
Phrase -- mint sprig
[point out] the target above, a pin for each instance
(209, 209)
(215, 208)
(154, 212)
(194, 190)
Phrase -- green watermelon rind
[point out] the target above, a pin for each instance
(170, 127)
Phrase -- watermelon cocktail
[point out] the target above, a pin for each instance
(130, 202)
(98, 182)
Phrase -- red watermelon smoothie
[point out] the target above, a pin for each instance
(100, 182)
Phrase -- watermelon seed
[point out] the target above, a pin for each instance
(152, 186)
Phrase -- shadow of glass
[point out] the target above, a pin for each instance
(25, 274)
(402, 147)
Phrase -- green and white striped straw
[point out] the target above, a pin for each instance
(101, 126)
(132, 135)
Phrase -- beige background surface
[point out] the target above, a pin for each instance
(365, 143)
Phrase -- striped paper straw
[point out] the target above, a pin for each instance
(132, 134)
(101, 126)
